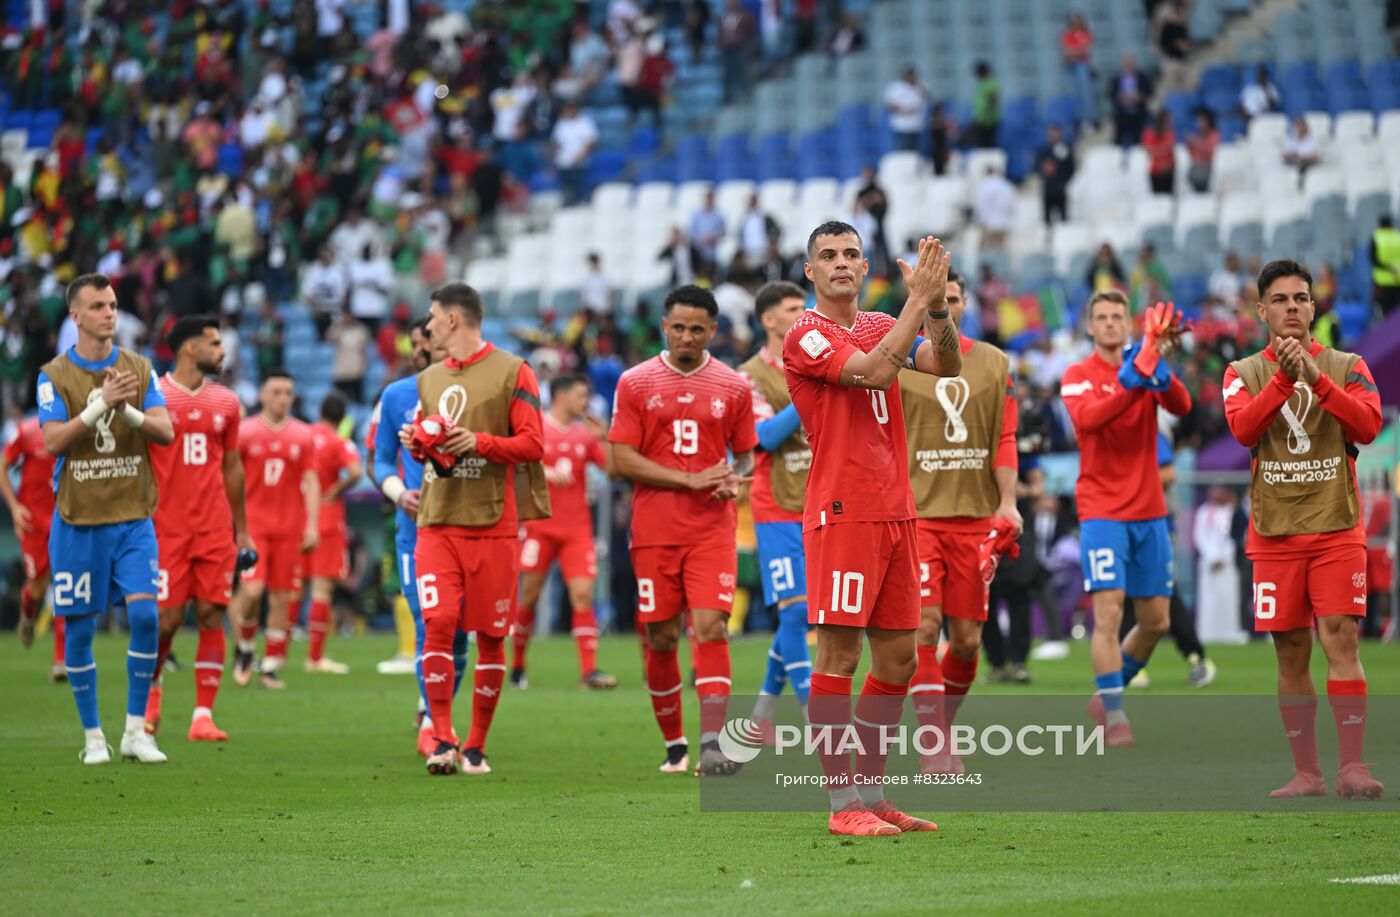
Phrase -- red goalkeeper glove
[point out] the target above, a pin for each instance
(1156, 325)
(1001, 540)
(426, 443)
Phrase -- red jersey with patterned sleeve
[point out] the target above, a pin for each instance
(190, 470)
(1357, 409)
(1117, 432)
(687, 421)
(27, 450)
(860, 460)
(333, 455)
(274, 461)
(569, 450)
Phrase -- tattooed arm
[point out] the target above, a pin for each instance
(941, 354)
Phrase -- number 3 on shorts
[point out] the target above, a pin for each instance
(427, 590)
(1265, 605)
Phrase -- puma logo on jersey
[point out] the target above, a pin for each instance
(687, 398)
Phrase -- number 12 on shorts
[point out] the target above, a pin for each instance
(847, 592)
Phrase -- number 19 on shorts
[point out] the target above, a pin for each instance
(847, 592)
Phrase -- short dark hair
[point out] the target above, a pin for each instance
(563, 383)
(830, 228)
(191, 326)
(1283, 267)
(333, 407)
(770, 294)
(461, 296)
(82, 282)
(420, 324)
(276, 372)
(691, 295)
(955, 277)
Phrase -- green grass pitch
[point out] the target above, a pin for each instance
(319, 804)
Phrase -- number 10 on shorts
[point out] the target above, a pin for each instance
(847, 592)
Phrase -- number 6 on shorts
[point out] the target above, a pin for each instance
(1265, 605)
(427, 591)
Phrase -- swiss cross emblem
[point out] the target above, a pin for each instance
(654, 402)
(717, 407)
(218, 422)
(255, 450)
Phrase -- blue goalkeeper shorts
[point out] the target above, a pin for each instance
(1133, 556)
(782, 565)
(97, 566)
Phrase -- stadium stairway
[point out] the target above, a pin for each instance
(1381, 350)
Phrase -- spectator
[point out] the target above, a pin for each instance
(658, 71)
(1217, 577)
(236, 232)
(877, 204)
(1130, 90)
(697, 22)
(991, 291)
(706, 229)
(623, 16)
(588, 56)
(906, 99)
(511, 127)
(202, 137)
(371, 278)
(1385, 264)
(1150, 282)
(1228, 283)
(1260, 96)
(804, 14)
(574, 139)
(1077, 47)
(1201, 145)
(1300, 149)
(1055, 163)
(756, 230)
(595, 293)
(393, 341)
(488, 183)
(349, 361)
(267, 339)
(1106, 272)
(351, 236)
(1159, 142)
(325, 288)
(943, 136)
(986, 107)
(1173, 46)
(679, 252)
(994, 209)
(631, 56)
(738, 43)
(848, 38)
(15, 347)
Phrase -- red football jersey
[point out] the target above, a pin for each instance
(332, 456)
(190, 471)
(27, 450)
(688, 421)
(570, 450)
(860, 457)
(1117, 433)
(274, 461)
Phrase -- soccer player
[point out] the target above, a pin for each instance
(31, 511)
(399, 477)
(573, 439)
(200, 522)
(337, 464)
(780, 472)
(486, 404)
(1125, 545)
(99, 406)
(284, 495)
(842, 369)
(1301, 407)
(962, 467)
(675, 419)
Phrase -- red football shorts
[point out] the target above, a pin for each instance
(473, 579)
(1290, 591)
(196, 566)
(863, 574)
(573, 548)
(34, 548)
(330, 559)
(279, 562)
(678, 577)
(948, 574)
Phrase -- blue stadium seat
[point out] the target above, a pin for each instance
(1064, 111)
(1224, 77)
(661, 168)
(1188, 290)
(606, 166)
(776, 145)
(643, 142)
(1182, 106)
(815, 157)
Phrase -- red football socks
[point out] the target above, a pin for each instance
(1348, 700)
(29, 606)
(927, 690)
(878, 708)
(830, 706)
(247, 633)
(208, 666)
(520, 633)
(712, 683)
(58, 638)
(1300, 723)
(958, 676)
(318, 625)
(274, 648)
(585, 630)
(490, 674)
(162, 654)
(664, 685)
(439, 673)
